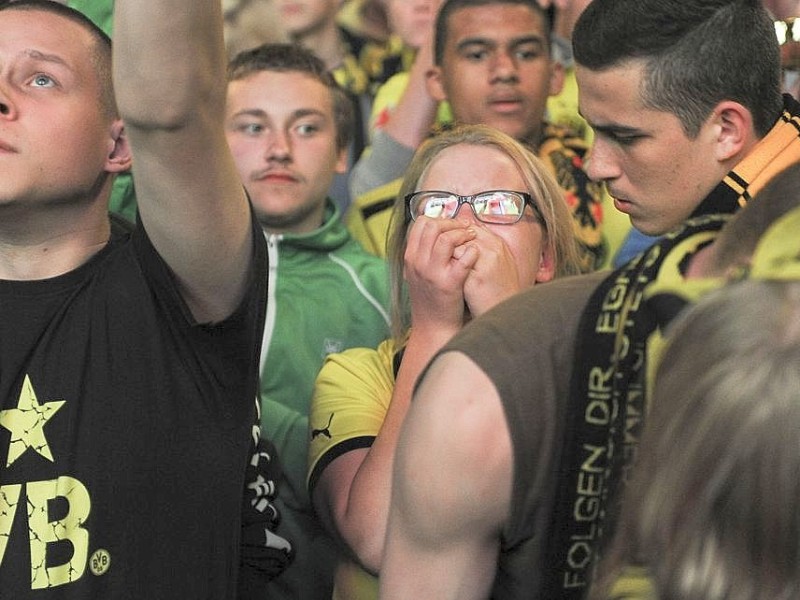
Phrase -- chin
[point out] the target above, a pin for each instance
(518, 132)
(277, 221)
(652, 229)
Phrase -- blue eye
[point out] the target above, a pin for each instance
(43, 81)
(250, 128)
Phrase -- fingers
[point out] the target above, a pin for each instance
(432, 243)
(493, 276)
(437, 263)
(466, 256)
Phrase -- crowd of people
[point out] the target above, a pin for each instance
(348, 299)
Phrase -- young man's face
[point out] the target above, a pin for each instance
(281, 131)
(54, 136)
(496, 69)
(299, 17)
(654, 171)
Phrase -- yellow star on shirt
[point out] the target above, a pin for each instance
(26, 423)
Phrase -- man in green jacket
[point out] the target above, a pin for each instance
(288, 126)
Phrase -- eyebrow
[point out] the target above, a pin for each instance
(250, 112)
(493, 43)
(308, 112)
(297, 114)
(52, 58)
(614, 129)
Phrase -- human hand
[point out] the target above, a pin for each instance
(437, 261)
(494, 275)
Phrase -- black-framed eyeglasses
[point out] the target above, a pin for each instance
(498, 207)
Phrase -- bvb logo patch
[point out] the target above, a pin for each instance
(100, 562)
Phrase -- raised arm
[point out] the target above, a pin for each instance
(410, 121)
(169, 76)
(406, 126)
(451, 488)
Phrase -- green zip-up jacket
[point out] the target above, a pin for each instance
(325, 294)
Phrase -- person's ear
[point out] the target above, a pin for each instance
(733, 130)
(119, 158)
(547, 265)
(557, 76)
(433, 81)
(342, 161)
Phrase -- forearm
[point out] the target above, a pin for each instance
(386, 160)
(169, 75)
(410, 121)
(168, 61)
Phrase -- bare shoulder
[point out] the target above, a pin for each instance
(456, 390)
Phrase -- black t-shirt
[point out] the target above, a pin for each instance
(124, 431)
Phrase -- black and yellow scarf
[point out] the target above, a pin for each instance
(608, 398)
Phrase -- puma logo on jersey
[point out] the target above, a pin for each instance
(326, 431)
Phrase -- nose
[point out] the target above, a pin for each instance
(466, 214)
(5, 103)
(601, 164)
(278, 147)
(504, 67)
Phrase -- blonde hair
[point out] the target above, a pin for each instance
(539, 183)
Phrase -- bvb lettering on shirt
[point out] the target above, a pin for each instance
(26, 424)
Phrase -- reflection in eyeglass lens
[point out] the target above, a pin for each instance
(497, 204)
(437, 207)
(493, 206)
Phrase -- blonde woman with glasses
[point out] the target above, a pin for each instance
(478, 219)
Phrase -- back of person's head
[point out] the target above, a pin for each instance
(712, 510)
(448, 7)
(102, 49)
(697, 53)
(292, 58)
(540, 184)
